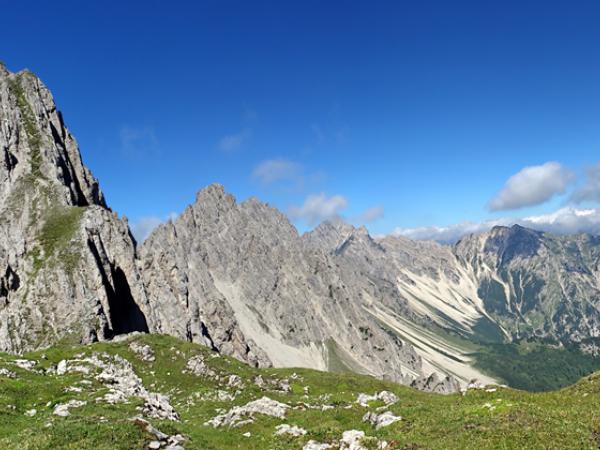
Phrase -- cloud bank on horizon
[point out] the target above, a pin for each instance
(531, 186)
(567, 220)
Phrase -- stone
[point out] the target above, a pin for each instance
(25, 364)
(389, 398)
(4, 372)
(198, 366)
(144, 351)
(433, 383)
(351, 440)
(235, 415)
(380, 420)
(62, 409)
(292, 430)
(314, 445)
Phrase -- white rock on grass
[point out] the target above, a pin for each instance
(351, 440)
(314, 445)
(292, 430)
(118, 374)
(381, 420)
(160, 439)
(31, 412)
(218, 395)
(144, 351)
(284, 385)
(62, 409)
(234, 417)
(235, 381)
(7, 373)
(389, 398)
(71, 366)
(25, 364)
(61, 368)
(198, 367)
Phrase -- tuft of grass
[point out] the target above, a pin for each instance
(60, 227)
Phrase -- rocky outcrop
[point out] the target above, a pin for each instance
(67, 263)
(433, 383)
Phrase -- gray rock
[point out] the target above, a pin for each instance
(314, 445)
(235, 416)
(67, 263)
(62, 409)
(433, 383)
(4, 372)
(144, 351)
(389, 398)
(380, 420)
(292, 430)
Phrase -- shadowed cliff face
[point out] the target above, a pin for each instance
(511, 243)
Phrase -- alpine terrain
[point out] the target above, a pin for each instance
(510, 306)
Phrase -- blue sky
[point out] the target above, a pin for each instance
(400, 115)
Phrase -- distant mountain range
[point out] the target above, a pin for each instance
(238, 277)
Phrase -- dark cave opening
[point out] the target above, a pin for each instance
(124, 313)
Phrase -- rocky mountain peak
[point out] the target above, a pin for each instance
(68, 261)
(328, 235)
(512, 242)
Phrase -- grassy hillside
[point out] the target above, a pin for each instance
(502, 419)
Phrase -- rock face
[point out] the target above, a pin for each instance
(238, 277)
(537, 285)
(67, 263)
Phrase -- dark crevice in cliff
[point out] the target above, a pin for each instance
(9, 282)
(77, 196)
(124, 313)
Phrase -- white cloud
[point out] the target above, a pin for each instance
(563, 221)
(145, 225)
(566, 221)
(274, 170)
(531, 186)
(138, 142)
(319, 207)
(234, 141)
(590, 191)
(370, 215)
(446, 234)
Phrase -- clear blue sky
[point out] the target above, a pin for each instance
(421, 110)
